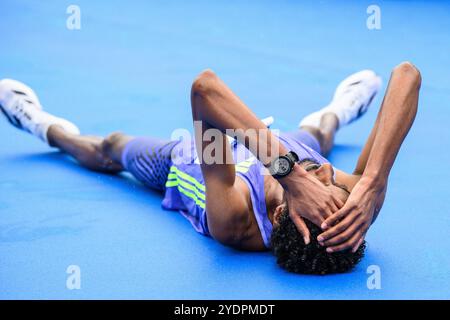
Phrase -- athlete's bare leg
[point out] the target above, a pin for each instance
(325, 133)
(351, 100)
(93, 152)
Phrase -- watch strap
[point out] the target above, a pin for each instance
(291, 156)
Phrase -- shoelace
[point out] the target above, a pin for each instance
(358, 97)
(19, 113)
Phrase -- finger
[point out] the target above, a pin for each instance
(331, 220)
(360, 241)
(358, 244)
(339, 203)
(317, 219)
(338, 228)
(343, 236)
(325, 214)
(333, 207)
(322, 214)
(301, 227)
(346, 245)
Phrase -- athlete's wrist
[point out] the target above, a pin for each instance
(373, 181)
(267, 161)
(283, 165)
(297, 173)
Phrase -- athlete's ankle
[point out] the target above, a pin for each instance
(329, 123)
(54, 134)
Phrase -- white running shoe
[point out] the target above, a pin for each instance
(351, 99)
(22, 108)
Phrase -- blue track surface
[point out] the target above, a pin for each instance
(130, 68)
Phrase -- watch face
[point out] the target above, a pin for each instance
(282, 166)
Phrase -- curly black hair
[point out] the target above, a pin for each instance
(293, 255)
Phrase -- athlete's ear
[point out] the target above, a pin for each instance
(325, 173)
(278, 211)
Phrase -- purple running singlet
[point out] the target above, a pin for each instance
(173, 167)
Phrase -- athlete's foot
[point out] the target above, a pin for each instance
(351, 99)
(22, 109)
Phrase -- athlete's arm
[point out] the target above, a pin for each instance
(350, 180)
(227, 207)
(394, 121)
(214, 105)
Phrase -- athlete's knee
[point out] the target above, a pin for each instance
(204, 83)
(113, 145)
(409, 73)
(92, 157)
(113, 142)
(315, 132)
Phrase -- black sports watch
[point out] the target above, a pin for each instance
(282, 165)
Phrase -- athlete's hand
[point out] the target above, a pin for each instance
(308, 198)
(347, 228)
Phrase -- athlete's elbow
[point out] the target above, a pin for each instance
(409, 73)
(204, 83)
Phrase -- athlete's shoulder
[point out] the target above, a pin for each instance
(231, 220)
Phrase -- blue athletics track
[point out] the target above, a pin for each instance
(130, 68)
